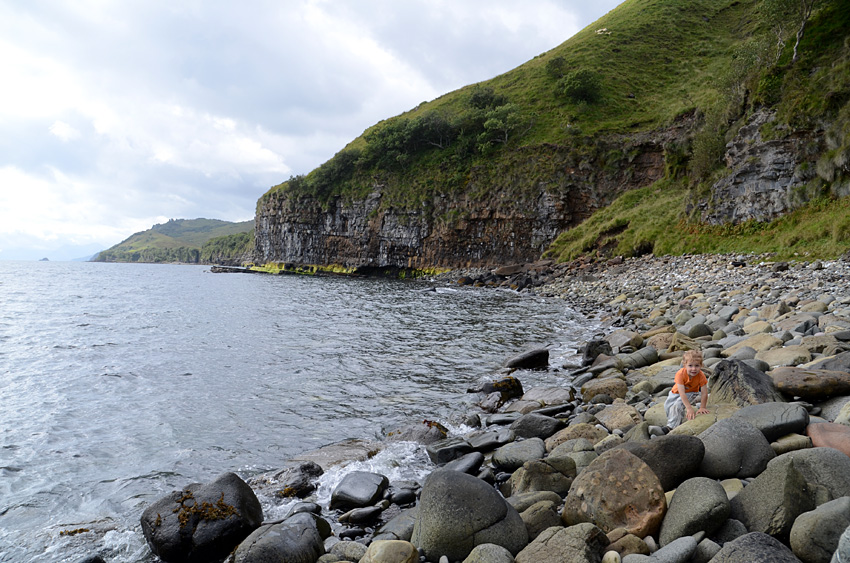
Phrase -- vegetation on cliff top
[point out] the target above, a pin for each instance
(646, 66)
(190, 241)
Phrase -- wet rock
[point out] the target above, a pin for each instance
(617, 490)
(447, 450)
(285, 541)
(202, 522)
(428, 432)
(734, 448)
(398, 528)
(593, 349)
(532, 359)
(508, 388)
(491, 439)
(358, 489)
(458, 512)
(470, 463)
(536, 426)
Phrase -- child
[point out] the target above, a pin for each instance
(690, 384)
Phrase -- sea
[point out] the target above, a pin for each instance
(122, 382)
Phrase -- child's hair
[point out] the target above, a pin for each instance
(692, 356)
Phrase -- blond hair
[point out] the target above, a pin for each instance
(692, 355)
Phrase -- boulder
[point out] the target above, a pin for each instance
(508, 388)
(619, 416)
(737, 383)
(297, 480)
(815, 534)
(825, 470)
(734, 448)
(547, 396)
(534, 425)
(842, 553)
(775, 419)
(672, 458)
(522, 501)
(458, 512)
(489, 440)
(785, 356)
(470, 463)
(577, 544)
(773, 500)
(790, 442)
(758, 342)
(580, 430)
(358, 489)
(532, 359)
(838, 362)
(593, 349)
(400, 527)
(625, 338)
(540, 516)
(616, 387)
(202, 522)
(830, 435)
(486, 553)
(753, 547)
(390, 551)
(554, 473)
(512, 456)
(698, 505)
(617, 490)
(427, 432)
(285, 541)
(447, 450)
(811, 384)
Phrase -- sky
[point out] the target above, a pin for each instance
(117, 115)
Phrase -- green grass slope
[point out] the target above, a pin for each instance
(644, 68)
(183, 240)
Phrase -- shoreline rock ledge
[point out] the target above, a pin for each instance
(582, 471)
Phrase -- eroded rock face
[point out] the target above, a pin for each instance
(764, 174)
(457, 231)
(617, 490)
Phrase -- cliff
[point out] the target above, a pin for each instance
(698, 106)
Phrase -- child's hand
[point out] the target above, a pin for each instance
(702, 410)
(690, 413)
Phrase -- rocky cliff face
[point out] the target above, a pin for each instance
(766, 178)
(544, 191)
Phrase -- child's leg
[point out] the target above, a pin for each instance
(675, 410)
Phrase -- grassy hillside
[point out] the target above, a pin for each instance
(182, 240)
(647, 66)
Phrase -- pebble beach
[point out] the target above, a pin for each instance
(586, 471)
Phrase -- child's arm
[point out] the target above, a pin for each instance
(703, 400)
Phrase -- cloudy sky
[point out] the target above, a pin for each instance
(117, 115)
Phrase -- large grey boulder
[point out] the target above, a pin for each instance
(775, 419)
(673, 458)
(458, 511)
(773, 500)
(698, 505)
(285, 541)
(826, 472)
(755, 547)
(202, 522)
(577, 544)
(734, 448)
(815, 534)
(358, 489)
(735, 382)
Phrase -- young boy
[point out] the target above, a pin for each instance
(690, 384)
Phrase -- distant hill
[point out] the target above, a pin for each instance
(192, 241)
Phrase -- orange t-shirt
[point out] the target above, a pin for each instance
(692, 384)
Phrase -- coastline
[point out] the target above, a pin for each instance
(642, 303)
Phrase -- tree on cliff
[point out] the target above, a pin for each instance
(797, 12)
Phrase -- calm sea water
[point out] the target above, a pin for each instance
(122, 382)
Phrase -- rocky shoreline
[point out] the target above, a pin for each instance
(584, 472)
